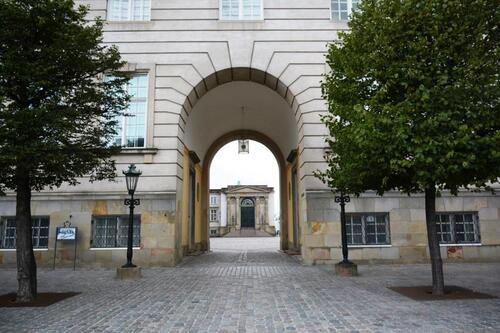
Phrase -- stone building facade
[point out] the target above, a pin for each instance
(241, 206)
(216, 216)
(207, 72)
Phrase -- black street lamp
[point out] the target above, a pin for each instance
(342, 200)
(132, 177)
(345, 267)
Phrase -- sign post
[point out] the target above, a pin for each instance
(66, 233)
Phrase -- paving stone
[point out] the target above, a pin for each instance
(246, 286)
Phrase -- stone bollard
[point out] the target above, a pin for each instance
(346, 269)
(128, 273)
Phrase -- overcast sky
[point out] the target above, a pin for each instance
(257, 168)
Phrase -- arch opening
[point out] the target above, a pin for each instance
(247, 201)
(239, 109)
(244, 199)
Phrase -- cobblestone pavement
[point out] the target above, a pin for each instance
(236, 289)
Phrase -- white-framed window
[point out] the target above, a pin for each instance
(213, 200)
(112, 231)
(39, 231)
(368, 229)
(342, 9)
(129, 10)
(458, 228)
(131, 131)
(213, 215)
(245, 10)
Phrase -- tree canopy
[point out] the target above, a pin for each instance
(413, 97)
(57, 115)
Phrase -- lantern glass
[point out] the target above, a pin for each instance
(243, 146)
(132, 177)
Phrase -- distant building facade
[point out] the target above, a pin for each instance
(241, 206)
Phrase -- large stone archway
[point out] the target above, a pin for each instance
(251, 105)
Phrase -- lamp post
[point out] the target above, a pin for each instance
(342, 200)
(345, 267)
(132, 177)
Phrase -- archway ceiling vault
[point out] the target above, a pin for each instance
(241, 105)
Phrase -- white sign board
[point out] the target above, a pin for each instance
(66, 234)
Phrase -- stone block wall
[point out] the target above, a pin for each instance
(157, 244)
(321, 240)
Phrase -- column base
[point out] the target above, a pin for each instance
(346, 269)
(128, 273)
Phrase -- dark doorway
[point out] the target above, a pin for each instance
(295, 203)
(247, 213)
(192, 199)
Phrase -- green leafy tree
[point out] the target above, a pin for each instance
(414, 102)
(57, 114)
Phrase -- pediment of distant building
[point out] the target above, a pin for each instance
(242, 189)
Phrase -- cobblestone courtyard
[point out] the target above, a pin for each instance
(237, 289)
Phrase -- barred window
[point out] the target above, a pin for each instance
(39, 231)
(368, 229)
(129, 10)
(457, 228)
(241, 10)
(112, 231)
(341, 9)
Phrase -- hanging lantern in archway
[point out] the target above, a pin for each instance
(243, 147)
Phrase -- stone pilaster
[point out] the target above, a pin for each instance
(266, 210)
(238, 213)
(257, 211)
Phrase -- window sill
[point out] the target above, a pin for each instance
(111, 248)
(464, 244)
(139, 151)
(222, 20)
(368, 246)
(127, 21)
(14, 250)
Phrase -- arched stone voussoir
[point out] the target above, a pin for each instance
(240, 74)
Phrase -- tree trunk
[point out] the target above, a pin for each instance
(26, 264)
(432, 236)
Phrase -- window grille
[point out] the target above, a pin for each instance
(247, 202)
(39, 231)
(129, 10)
(368, 229)
(112, 231)
(457, 228)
